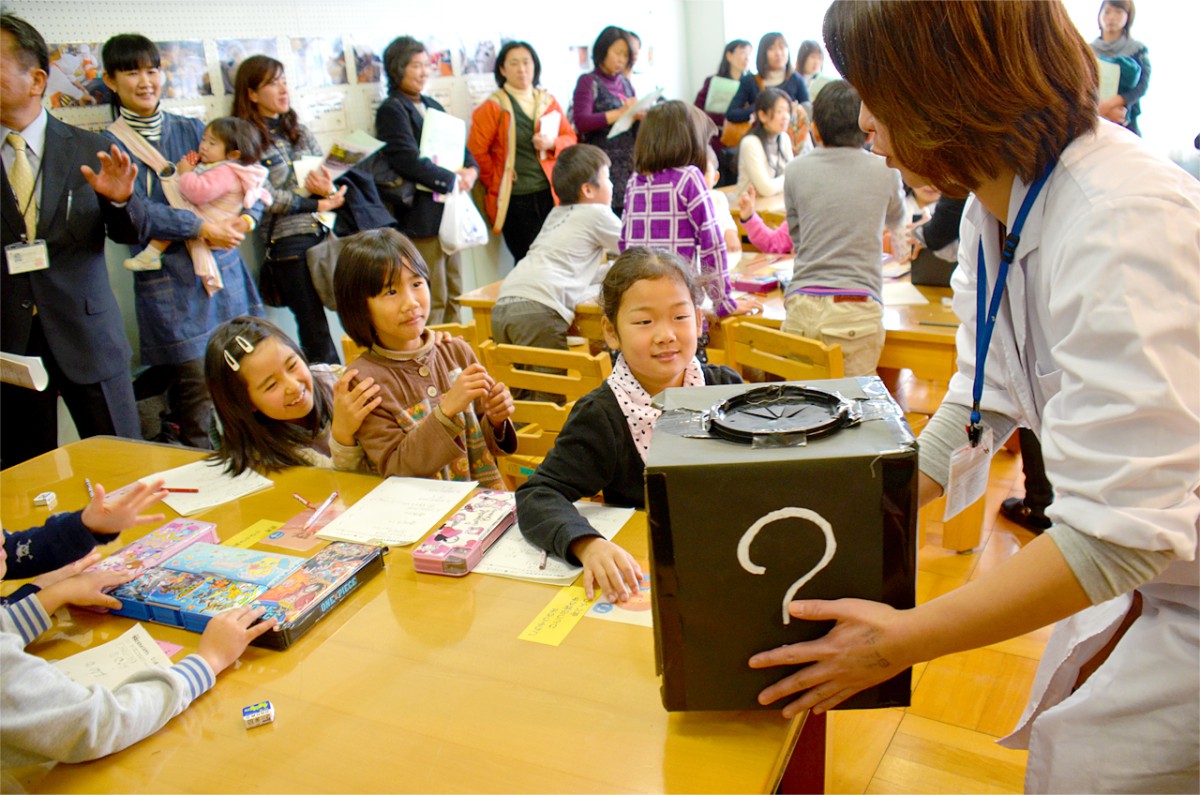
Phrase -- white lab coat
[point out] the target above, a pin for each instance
(1097, 349)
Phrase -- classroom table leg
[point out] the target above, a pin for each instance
(964, 532)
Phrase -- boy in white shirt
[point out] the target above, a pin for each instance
(536, 304)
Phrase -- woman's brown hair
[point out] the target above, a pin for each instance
(672, 136)
(252, 74)
(937, 86)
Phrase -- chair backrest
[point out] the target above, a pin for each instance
(581, 374)
(789, 356)
(351, 350)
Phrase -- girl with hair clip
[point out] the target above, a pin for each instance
(276, 410)
(440, 415)
(601, 97)
(516, 160)
(1074, 233)
(292, 227)
(766, 149)
(667, 201)
(652, 319)
(1114, 43)
(203, 281)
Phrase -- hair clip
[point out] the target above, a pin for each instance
(245, 345)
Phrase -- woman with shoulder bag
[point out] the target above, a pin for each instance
(291, 226)
(399, 123)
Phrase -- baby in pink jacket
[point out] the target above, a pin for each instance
(224, 179)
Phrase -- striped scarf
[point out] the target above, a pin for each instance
(149, 127)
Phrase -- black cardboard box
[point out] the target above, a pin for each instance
(703, 496)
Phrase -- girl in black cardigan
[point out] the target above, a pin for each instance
(651, 317)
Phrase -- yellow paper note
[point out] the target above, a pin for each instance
(253, 534)
(554, 623)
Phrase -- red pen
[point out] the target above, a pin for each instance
(181, 491)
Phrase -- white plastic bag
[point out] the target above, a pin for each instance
(462, 225)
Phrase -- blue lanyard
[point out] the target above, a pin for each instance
(985, 313)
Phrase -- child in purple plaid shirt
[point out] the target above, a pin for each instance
(667, 205)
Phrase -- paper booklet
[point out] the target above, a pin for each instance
(26, 371)
(627, 118)
(397, 512)
(548, 125)
(514, 557)
(720, 94)
(346, 152)
(110, 664)
(443, 140)
(213, 486)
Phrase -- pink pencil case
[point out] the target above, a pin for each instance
(459, 544)
(756, 284)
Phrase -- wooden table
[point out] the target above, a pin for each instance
(417, 683)
(919, 337)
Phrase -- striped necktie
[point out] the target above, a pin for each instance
(21, 179)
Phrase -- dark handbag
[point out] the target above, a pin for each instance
(393, 188)
(283, 257)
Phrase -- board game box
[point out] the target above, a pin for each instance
(323, 582)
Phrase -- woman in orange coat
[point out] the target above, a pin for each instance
(517, 176)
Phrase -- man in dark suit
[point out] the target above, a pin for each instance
(58, 307)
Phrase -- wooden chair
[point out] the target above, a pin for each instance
(794, 358)
(352, 350)
(541, 421)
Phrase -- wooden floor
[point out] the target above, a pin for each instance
(945, 742)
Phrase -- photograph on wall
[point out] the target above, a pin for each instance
(581, 57)
(76, 76)
(231, 53)
(478, 57)
(441, 63)
(185, 70)
(368, 58)
(318, 61)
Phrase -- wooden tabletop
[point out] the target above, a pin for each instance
(417, 683)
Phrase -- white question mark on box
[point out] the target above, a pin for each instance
(743, 550)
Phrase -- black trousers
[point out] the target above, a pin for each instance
(1038, 491)
(30, 418)
(524, 220)
(291, 280)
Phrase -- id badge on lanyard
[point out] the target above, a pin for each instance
(969, 464)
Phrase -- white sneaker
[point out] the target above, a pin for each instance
(149, 259)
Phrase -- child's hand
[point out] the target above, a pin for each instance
(748, 306)
(498, 405)
(472, 383)
(125, 511)
(86, 589)
(70, 570)
(351, 405)
(228, 634)
(746, 203)
(185, 164)
(615, 571)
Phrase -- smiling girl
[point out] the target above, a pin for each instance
(440, 414)
(651, 317)
(275, 410)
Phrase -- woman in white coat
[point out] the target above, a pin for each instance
(1096, 348)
